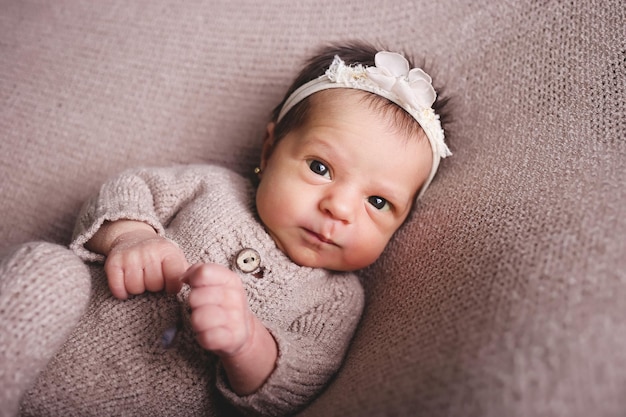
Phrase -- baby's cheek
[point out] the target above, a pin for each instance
(362, 254)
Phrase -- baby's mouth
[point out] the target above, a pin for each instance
(321, 238)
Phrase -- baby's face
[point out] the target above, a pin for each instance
(333, 192)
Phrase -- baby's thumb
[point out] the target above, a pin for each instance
(184, 279)
(174, 268)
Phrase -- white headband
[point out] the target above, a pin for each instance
(390, 78)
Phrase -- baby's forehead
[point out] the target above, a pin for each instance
(346, 131)
(383, 110)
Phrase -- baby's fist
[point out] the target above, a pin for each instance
(140, 261)
(220, 314)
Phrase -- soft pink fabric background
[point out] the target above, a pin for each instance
(503, 295)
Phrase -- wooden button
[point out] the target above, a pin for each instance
(248, 260)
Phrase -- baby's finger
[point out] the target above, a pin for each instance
(153, 276)
(134, 280)
(204, 275)
(174, 268)
(190, 271)
(201, 296)
(217, 340)
(115, 277)
(208, 317)
(218, 329)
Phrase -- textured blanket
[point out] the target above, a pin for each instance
(504, 294)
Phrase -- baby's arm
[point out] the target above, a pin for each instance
(137, 258)
(312, 330)
(136, 254)
(225, 325)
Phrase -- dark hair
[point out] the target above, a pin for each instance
(352, 53)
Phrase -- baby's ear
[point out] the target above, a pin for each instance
(268, 145)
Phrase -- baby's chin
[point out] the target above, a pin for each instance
(307, 257)
(321, 262)
(311, 259)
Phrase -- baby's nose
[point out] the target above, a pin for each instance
(340, 204)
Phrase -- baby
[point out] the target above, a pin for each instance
(265, 271)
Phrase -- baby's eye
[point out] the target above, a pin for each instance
(319, 168)
(379, 202)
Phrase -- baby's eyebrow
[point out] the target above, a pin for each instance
(317, 141)
(324, 147)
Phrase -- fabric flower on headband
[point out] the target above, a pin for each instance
(392, 73)
(391, 78)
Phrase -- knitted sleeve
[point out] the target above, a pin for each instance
(150, 195)
(311, 349)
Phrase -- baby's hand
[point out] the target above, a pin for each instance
(140, 260)
(220, 314)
